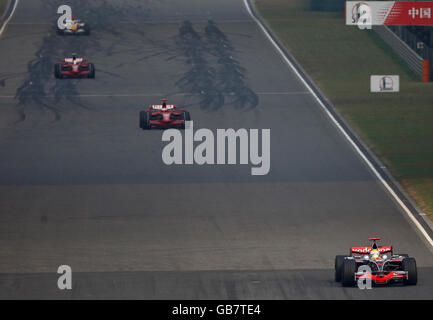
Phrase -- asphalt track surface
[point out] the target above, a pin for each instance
(82, 185)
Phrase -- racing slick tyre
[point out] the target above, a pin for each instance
(144, 120)
(86, 30)
(348, 274)
(339, 260)
(409, 265)
(60, 32)
(92, 70)
(58, 71)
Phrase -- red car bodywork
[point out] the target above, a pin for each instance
(382, 269)
(392, 276)
(80, 68)
(380, 277)
(166, 116)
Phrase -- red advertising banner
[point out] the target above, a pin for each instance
(397, 13)
(410, 13)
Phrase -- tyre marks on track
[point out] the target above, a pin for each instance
(231, 73)
(213, 72)
(38, 84)
(200, 78)
(39, 73)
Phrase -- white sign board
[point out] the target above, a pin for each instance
(385, 83)
(367, 12)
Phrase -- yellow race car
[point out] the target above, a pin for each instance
(74, 27)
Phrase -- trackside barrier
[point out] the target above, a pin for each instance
(414, 61)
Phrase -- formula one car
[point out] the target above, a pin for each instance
(74, 27)
(163, 116)
(74, 68)
(378, 264)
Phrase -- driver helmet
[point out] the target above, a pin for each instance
(164, 104)
(374, 254)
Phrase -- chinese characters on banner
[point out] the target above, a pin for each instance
(397, 13)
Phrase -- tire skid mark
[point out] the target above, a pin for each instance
(213, 73)
(100, 14)
(199, 79)
(231, 74)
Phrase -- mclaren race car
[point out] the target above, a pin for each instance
(74, 68)
(74, 27)
(163, 116)
(377, 263)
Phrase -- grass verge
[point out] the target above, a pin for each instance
(398, 127)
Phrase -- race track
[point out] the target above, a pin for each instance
(82, 185)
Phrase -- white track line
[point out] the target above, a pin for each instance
(144, 22)
(288, 93)
(91, 95)
(30, 23)
(362, 155)
(264, 93)
(12, 13)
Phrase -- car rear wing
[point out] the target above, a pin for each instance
(70, 60)
(161, 107)
(366, 250)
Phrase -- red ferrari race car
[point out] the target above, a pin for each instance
(163, 116)
(380, 265)
(74, 68)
